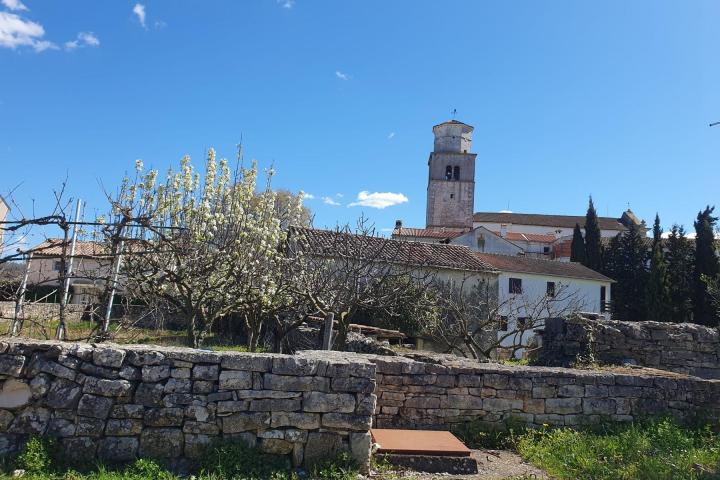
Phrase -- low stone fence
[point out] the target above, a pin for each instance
(678, 347)
(117, 402)
(450, 391)
(42, 310)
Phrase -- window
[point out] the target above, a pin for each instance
(452, 195)
(515, 285)
(57, 266)
(603, 299)
(521, 323)
(448, 173)
(550, 289)
(503, 324)
(456, 173)
(546, 250)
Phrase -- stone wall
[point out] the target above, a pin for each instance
(678, 347)
(446, 391)
(117, 402)
(43, 310)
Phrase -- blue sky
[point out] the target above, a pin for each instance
(568, 98)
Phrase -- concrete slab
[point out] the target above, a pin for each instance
(419, 442)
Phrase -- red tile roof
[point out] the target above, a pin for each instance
(53, 247)
(439, 233)
(523, 264)
(438, 255)
(563, 221)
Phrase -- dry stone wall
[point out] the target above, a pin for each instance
(445, 391)
(118, 402)
(678, 347)
(74, 311)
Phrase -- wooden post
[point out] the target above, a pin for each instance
(327, 338)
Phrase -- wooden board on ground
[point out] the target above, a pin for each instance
(419, 442)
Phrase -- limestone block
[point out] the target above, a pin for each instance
(54, 368)
(6, 419)
(563, 405)
(235, 380)
(129, 372)
(177, 399)
(108, 357)
(11, 365)
(276, 446)
(162, 442)
(275, 405)
(296, 366)
(142, 358)
(164, 417)
(93, 370)
(296, 384)
(252, 363)
(501, 404)
(346, 421)
(596, 391)
(242, 422)
(205, 372)
(31, 420)
(232, 406)
(495, 381)
(14, 394)
(60, 427)
(107, 388)
(305, 421)
(178, 385)
(201, 428)
(219, 396)
(123, 449)
(600, 406)
(470, 381)
(463, 402)
(39, 385)
(180, 373)
(423, 402)
(79, 450)
(571, 391)
(543, 392)
(253, 394)
(353, 384)
(360, 443)
(149, 394)
(200, 413)
(296, 436)
(534, 405)
(366, 403)
(155, 373)
(203, 386)
(196, 444)
(123, 427)
(320, 446)
(94, 406)
(128, 411)
(89, 426)
(329, 402)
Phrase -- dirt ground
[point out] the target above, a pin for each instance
(492, 464)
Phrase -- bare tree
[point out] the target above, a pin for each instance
(472, 321)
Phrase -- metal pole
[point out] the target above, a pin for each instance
(17, 324)
(66, 286)
(113, 287)
(327, 338)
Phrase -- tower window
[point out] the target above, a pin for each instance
(456, 173)
(448, 173)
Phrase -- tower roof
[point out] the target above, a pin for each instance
(453, 122)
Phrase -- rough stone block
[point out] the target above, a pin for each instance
(205, 372)
(242, 422)
(275, 446)
(108, 357)
(353, 384)
(30, 420)
(235, 380)
(296, 384)
(563, 406)
(79, 450)
(305, 421)
(320, 446)
(11, 365)
(123, 427)
(149, 394)
(162, 442)
(329, 402)
(196, 445)
(127, 411)
(94, 406)
(275, 405)
(345, 421)
(164, 417)
(107, 388)
(155, 373)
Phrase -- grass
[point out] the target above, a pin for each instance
(41, 459)
(653, 449)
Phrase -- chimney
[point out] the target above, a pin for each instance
(398, 224)
(503, 230)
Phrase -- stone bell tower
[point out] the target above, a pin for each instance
(451, 181)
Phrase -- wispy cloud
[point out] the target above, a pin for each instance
(16, 31)
(84, 39)
(159, 24)
(15, 5)
(391, 136)
(286, 3)
(378, 199)
(308, 196)
(330, 201)
(341, 75)
(139, 11)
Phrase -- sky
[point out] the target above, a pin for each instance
(568, 99)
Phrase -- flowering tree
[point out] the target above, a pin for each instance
(207, 245)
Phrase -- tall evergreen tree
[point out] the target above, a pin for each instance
(626, 264)
(680, 258)
(658, 288)
(593, 246)
(706, 264)
(577, 247)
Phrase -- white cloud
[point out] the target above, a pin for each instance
(341, 75)
(378, 199)
(392, 134)
(84, 39)
(339, 195)
(330, 201)
(139, 11)
(308, 196)
(286, 3)
(14, 5)
(18, 32)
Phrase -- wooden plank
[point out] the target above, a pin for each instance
(419, 442)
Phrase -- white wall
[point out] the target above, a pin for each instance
(538, 229)
(584, 293)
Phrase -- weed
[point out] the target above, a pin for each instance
(340, 467)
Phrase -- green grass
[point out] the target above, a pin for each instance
(41, 459)
(657, 449)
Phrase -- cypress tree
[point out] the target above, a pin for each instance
(593, 247)
(658, 289)
(577, 247)
(680, 258)
(706, 264)
(626, 264)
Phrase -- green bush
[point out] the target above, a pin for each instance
(40, 455)
(340, 467)
(652, 449)
(237, 461)
(479, 434)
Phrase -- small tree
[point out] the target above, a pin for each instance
(658, 286)
(593, 245)
(680, 258)
(577, 247)
(706, 265)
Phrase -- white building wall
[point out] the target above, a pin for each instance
(586, 293)
(539, 229)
